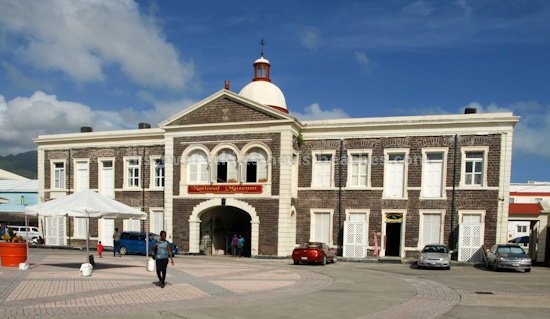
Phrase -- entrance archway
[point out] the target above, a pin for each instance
(218, 225)
(233, 214)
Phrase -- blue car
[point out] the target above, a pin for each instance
(133, 242)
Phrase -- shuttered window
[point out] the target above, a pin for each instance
(323, 170)
(322, 227)
(82, 176)
(432, 180)
(431, 229)
(395, 175)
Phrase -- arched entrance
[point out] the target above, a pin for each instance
(218, 225)
(216, 218)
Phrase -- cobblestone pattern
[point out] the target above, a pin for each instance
(432, 300)
(502, 293)
(122, 286)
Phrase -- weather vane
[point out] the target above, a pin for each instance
(262, 43)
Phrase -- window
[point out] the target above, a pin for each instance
(132, 225)
(357, 217)
(431, 228)
(358, 171)
(132, 173)
(59, 175)
(321, 228)
(256, 165)
(473, 169)
(471, 219)
(323, 170)
(226, 167)
(107, 178)
(522, 229)
(433, 175)
(198, 172)
(80, 227)
(82, 176)
(158, 222)
(159, 172)
(538, 199)
(394, 184)
(512, 200)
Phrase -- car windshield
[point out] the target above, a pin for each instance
(510, 250)
(436, 249)
(310, 245)
(154, 237)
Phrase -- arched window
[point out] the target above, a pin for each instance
(227, 168)
(197, 168)
(256, 165)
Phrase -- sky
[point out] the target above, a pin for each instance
(113, 64)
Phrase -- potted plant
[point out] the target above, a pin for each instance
(232, 180)
(13, 253)
(6, 238)
(263, 180)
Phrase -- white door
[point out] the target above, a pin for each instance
(107, 179)
(355, 239)
(107, 231)
(158, 222)
(55, 230)
(322, 228)
(395, 176)
(433, 175)
(82, 177)
(132, 225)
(431, 229)
(471, 238)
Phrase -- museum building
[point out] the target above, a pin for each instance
(241, 164)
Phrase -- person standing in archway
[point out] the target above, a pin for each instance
(241, 245)
(234, 245)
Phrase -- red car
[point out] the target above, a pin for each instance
(314, 253)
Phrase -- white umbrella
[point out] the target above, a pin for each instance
(86, 203)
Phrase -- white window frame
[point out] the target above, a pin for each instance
(425, 152)
(77, 161)
(387, 153)
(100, 161)
(77, 227)
(314, 155)
(214, 163)
(365, 211)
(127, 159)
(352, 152)
(312, 213)
(463, 212)
(471, 149)
(53, 170)
(244, 169)
(423, 212)
(153, 172)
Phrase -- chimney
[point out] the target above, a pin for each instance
(86, 129)
(227, 84)
(144, 126)
(470, 110)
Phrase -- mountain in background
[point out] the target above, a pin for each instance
(24, 164)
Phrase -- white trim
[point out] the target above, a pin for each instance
(314, 154)
(214, 161)
(252, 140)
(403, 229)
(428, 150)
(312, 212)
(387, 153)
(469, 149)
(245, 149)
(350, 153)
(422, 212)
(52, 174)
(126, 159)
(462, 212)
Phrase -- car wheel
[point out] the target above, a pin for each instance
(495, 267)
(528, 270)
(296, 262)
(123, 250)
(448, 268)
(324, 260)
(335, 259)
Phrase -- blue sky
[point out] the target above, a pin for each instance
(112, 64)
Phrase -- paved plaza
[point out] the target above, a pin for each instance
(226, 287)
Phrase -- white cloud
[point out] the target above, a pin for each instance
(21, 81)
(364, 61)
(314, 112)
(309, 38)
(84, 37)
(25, 118)
(465, 7)
(419, 8)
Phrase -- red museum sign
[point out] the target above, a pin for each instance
(224, 189)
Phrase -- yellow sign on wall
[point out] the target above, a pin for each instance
(394, 218)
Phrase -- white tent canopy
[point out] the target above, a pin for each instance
(86, 203)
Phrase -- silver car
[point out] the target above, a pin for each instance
(508, 256)
(435, 255)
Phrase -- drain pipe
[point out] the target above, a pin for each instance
(452, 239)
(69, 188)
(340, 238)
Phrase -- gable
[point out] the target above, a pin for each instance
(222, 110)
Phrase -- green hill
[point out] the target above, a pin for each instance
(24, 164)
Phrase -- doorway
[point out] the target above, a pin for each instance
(393, 239)
(218, 225)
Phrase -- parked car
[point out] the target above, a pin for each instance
(508, 256)
(435, 255)
(134, 243)
(34, 234)
(314, 253)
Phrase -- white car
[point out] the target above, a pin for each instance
(436, 256)
(34, 234)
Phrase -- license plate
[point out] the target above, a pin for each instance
(515, 265)
(304, 258)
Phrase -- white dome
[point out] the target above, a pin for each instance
(262, 60)
(264, 92)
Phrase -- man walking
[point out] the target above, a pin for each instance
(116, 243)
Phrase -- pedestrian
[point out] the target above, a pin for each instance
(234, 244)
(116, 243)
(99, 249)
(163, 251)
(241, 245)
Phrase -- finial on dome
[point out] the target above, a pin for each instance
(262, 43)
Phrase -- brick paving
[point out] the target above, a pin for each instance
(53, 287)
